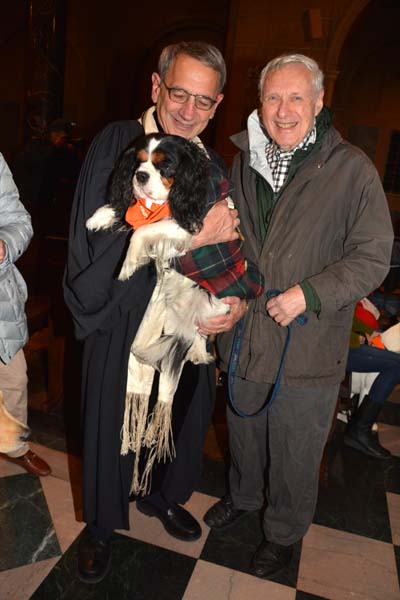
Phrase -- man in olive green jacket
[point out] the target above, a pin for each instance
(316, 221)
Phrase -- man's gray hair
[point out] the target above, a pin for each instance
(287, 59)
(206, 53)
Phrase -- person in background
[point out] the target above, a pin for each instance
(316, 222)
(367, 354)
(15, 235)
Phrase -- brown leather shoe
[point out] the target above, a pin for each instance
(32, 463)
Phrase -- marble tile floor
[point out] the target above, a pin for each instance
(351, 552)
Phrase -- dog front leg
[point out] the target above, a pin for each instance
(103, 218)
(137, 255)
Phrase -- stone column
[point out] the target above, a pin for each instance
(45, 59)
(329, 83)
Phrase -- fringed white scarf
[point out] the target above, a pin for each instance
(141, 429)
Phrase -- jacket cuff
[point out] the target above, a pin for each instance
(313, 303)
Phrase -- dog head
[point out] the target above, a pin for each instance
(160, 168)
(12, 431)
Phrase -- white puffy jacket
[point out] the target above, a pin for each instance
(16, 232)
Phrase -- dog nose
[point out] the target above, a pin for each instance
(142, 177)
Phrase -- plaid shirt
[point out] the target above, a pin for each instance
(221, 268)
(279, 160)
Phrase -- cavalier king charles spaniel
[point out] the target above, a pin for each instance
(158, 169)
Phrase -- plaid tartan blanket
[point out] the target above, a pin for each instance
(221, 268)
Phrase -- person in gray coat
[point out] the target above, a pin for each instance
(315, 219)
(15, 235)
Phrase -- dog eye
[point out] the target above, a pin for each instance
(166, 169)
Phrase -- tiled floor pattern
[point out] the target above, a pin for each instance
(351, 552)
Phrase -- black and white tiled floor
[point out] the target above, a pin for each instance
(352, 550)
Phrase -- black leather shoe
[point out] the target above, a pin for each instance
(270, 558)
(367, 443)
(223, 513)
(93, 558)
(177, 521)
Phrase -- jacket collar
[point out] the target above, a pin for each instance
(253, 140)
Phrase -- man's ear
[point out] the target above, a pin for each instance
(155, 87)
(214, 108)
(319, 103)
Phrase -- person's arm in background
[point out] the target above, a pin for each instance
(15, 222)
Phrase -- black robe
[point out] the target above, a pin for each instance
(107, 314)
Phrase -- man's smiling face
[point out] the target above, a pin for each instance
(194, 77)
(289, 105)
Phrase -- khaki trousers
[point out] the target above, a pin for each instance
(14, 385)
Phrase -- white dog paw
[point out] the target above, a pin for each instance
(127, 271)
(103, 218)
(133, 261)
(197, 354)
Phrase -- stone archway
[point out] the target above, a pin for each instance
(341, 32)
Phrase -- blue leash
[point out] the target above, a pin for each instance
(234, 361)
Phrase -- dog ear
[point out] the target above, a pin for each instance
(188, 195)
(120, 193)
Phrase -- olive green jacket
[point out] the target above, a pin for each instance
(330, 226)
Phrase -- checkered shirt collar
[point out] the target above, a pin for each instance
(279, 160)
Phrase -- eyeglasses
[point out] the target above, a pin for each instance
(182, 96)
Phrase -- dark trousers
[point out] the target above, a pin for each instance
(277, 455)
(369, 359)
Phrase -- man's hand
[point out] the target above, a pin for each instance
(219, 226)
(225, 322)
(2, 251)
(287, 306)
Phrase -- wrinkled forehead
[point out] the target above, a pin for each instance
(153, 153)
(291, 78)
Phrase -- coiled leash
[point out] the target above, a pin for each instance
(234, 361)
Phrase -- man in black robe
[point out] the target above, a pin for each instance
(107, 313)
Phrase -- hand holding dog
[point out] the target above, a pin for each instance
(287, 306)
(222, 323)
(219, 226)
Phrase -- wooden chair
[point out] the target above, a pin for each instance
(43, 340)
